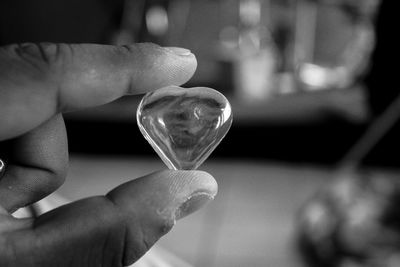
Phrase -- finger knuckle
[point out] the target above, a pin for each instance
(137, 243)
(145, 236)
(42, 56)
(143, 227)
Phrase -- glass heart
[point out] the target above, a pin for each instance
(184, 125)
(2, 167)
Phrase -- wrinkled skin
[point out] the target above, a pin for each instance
(39, 82)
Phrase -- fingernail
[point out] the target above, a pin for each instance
(179, 51)
(193, 203)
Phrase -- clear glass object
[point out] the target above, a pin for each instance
(184, 125)
(2, 167)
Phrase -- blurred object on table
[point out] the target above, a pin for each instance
(255, 55)
(254, 50)
(353, 222)
(333, 42)
(250, 50)
(144, 21)
(279, 62)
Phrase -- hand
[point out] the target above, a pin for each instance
(37, 84)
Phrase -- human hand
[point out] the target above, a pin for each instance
(37, 84)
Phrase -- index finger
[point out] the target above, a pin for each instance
(40, 80)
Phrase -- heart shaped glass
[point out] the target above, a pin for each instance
(184, 125)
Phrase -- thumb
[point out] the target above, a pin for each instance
(112, 230)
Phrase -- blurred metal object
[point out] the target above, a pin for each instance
(355, 7)
(178, 13)
(372, 136)
(316, 68)
(255, 63)
(159, 21)
(255, 50)
(353, 222)
(131, 23)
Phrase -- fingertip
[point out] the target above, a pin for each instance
(160, 67)
(192, 181)
(164, 194)
(99, 74)
(153, 203)
(189, 191)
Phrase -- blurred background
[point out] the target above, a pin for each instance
(315, 121)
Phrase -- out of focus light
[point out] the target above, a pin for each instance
(314, 76)
(318, 77)
(227, 113)
(157, 20)
(319, 220)
(2, 166)
(250, 11)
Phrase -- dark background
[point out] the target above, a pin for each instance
(323, 136)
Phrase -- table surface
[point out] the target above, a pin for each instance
(250, 223)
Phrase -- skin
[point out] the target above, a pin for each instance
(39, 82)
